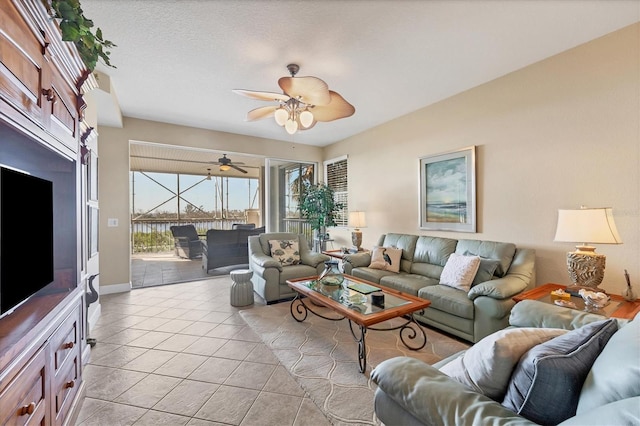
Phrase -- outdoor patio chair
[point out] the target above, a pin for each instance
(186, 241)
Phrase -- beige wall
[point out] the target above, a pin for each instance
(115, 270)
(561, 133)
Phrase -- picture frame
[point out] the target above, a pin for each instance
(448, 191)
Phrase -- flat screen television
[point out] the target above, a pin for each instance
(26, 234)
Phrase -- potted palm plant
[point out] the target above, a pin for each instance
(319, 207)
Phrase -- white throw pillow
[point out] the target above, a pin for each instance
(486, 367)
(459, 271)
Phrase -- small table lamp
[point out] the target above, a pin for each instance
(585, 266)
(357, 220)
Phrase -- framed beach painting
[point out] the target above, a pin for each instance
(448, 191)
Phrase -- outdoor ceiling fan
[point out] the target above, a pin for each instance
(304, 102)
(226, 164)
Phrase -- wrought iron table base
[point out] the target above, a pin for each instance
(410, 328)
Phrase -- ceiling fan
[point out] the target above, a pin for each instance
(304, 102)
(226, 164)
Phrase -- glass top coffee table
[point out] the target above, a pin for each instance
(364, 304)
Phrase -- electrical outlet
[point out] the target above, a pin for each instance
(112, 222)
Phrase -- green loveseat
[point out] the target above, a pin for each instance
(411, 392)
(471, 316)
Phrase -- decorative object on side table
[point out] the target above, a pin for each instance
(593, 299)
(629, 294)
(595, 225)
(357, 220)
(617, 308)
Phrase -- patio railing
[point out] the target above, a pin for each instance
(154, 236)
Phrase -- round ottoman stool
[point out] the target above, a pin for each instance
(242, 287)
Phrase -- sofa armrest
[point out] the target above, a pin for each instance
(436, 399)
(534, 313)
(265, 261)
(356, 260)
(500, 288)
(519, 277)
(312, 258)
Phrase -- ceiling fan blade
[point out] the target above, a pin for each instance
(260, 113)
(237, 168)
(337, 108)
(310, 90)
(262, 96)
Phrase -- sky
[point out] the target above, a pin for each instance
(149, 194)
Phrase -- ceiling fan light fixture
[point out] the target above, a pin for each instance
(298, 95)
(306, 118)
(224, 167)
(291, 126)
(281, 116)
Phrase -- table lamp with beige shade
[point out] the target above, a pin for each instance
(586, 226)
(357, 220)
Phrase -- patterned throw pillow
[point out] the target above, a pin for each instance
(459, 271)
(285, 251)
(386, 258)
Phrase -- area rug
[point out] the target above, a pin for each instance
(322, 356)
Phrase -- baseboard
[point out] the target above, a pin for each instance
(115, 288)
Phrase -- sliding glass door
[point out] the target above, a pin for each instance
(285, 181)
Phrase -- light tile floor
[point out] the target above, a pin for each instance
(182, 355)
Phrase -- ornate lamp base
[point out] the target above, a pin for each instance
(356, 239)
(586, 270)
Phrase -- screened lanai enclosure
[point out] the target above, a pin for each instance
(161, 200)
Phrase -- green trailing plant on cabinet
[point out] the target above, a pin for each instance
(319, 207)
(78, 29)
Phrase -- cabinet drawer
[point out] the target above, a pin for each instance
(65, 341)
(22, 402)
(66, 386)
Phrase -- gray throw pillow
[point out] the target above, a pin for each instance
(486, 270)
(546, 383)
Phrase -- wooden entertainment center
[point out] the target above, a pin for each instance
(42, 342)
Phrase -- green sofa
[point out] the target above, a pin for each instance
(411, 392)
(471, 316)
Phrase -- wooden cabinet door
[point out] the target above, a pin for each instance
(60, 112)
(21, 66)
(24, 401)
(31, 85)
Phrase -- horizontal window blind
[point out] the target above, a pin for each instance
(336, 174)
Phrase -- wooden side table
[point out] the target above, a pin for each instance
(618, 308)
(338, 254)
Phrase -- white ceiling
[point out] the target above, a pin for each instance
(177, 61)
